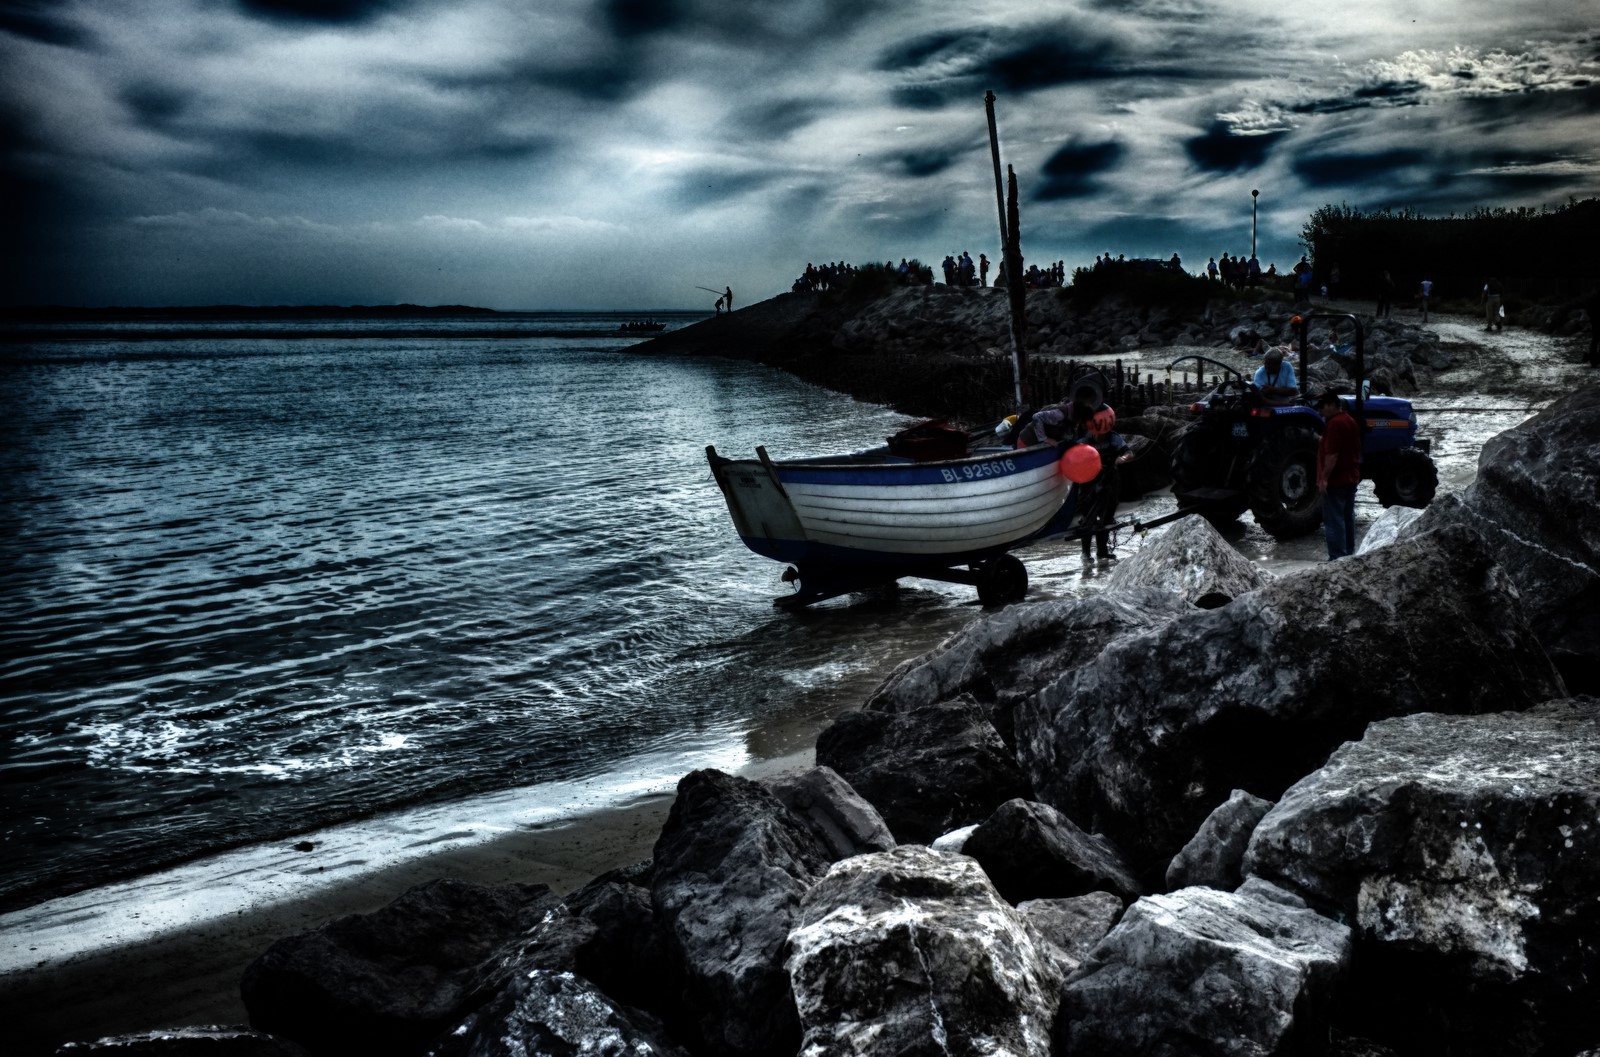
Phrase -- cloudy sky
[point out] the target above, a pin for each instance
(621, 153)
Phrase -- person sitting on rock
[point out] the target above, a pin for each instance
(1275, 379)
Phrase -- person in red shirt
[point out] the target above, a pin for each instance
(1338, 472)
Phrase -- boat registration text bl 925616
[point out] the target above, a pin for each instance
(982, 469)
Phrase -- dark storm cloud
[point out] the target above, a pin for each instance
(613, 76)
(900, 232)
(1384, 93)
(637, 18)
(1328, 170)
(738, 20)
(1070, 172)
(34, 212)
(1136, 236)
(610, 79)
(1581, 100)
(40, 20)
(317, 10)
(777, 118)
(944, 68)
(1221, 150)
(930, 161)
(362, 149)
(711, 187)
(1063, 60)
(153, 105)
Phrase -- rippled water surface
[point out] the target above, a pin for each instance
(261, 578)
(256, 584)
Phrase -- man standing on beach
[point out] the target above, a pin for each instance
(1492, 302)
(727, 298)
(1338, 473)
(1427, 291)
(1385, 295)
(983, 270)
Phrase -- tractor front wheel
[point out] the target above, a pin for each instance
(1282, 480)
(1407, 478)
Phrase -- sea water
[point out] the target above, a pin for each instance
(257, 579)
(260, 579)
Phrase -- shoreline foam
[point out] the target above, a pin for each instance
(168, 949)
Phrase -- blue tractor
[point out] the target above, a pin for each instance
(1243, 453)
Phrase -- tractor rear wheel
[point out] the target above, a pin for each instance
(1408, 478)
(1282, 480)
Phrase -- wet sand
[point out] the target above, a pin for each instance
(189, 974)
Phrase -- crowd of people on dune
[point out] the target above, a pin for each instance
(961, 271)
(816, 279)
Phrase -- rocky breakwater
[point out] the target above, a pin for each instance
(944, 352)
(1353, 810)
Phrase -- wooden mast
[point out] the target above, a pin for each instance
(1011, 257)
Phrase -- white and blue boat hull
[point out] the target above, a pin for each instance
(875, 515)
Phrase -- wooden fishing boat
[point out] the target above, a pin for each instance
(935, 502)
(920, 506)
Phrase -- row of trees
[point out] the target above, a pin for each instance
(1542, 254)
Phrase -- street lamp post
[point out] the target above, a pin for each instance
(1253, 196)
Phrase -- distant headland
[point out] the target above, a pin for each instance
(78, 314)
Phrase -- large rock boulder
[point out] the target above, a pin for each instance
(1199, 972)
(912, 951)
(554, 1014)
(1144, 741)
(201, 1041)
(1387, 527)
(1067, 930)
(1536, 501)
(605, 931)
(1214, 856)
(1465, 851)
(1001, 658)
(731, 866)
(1192, 560)
(838, 816)
(928, 770)
(390, 980)
(1032, 851)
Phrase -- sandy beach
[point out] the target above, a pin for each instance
(189, 974)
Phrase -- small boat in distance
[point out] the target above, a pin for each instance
(935, 502)
(641, 326)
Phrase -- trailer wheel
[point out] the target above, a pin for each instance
(1408, 478)
(1282, 480)
(1001, 581)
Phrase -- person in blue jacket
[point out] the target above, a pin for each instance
(1275, 379)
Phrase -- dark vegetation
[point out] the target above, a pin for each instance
(1540, 255)
(1177, 291)
(869, 282)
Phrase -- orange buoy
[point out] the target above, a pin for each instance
(1081, 463)
(1102, 422)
